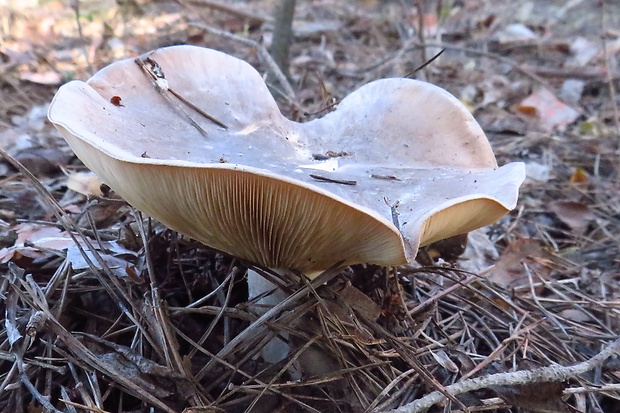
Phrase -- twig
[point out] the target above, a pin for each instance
(23, 376)
(262, 52)
(394, 209)
(153, 70)
(490, 55)
(231, 10)
(336, 181)
(610, 82)
(283, 34)
(109, 281)
(75, 5)
(423, 65)
(241, 372)
(555, 373)
(160, 324)
(197, 109)
(584, 73)
(419, 5)
(83, 353)
(593, 389)
(82, 407)
(518, 332)
(413, 44)
(407, 353)
(326, 276)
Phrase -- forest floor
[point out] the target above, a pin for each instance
(542, 286)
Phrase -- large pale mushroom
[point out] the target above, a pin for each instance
(399, 164)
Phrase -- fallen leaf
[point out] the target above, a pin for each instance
(576, 315)
(444, 360)
(537, 171)
(572, 90)
(509, 271)
(360, 302)
(48, 77)
(574, 214)
(551, 113)
(103, 213)
(33, 240)
(545, 397)
(116, 257)
(157, 379)
(590, 127)
(85, 183)
(579, 176)
(516, 33)
(73, 209)
(10, 324)
(480, 253)
(42, 161)
(583, 51)
(536, 398)
(499, 120)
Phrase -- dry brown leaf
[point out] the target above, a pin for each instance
(33, 239)
(48, 77)
(579, 176)
(360, 302)
(33, 407)
(42, 161)
(104, 214)
(551, 112)
(480, 253)
(119, 260)
(515, 34)
(85, 183)
(574, 214)
(544, 397)
(536, 398)
(159, 380)
(583, 50)
(444, 360)
(509, 271)
(576, 315)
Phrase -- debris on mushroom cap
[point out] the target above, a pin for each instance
(401, 163)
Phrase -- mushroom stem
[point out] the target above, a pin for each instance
(276, 349)
(312, 361)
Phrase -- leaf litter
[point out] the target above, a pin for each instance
(107, 310)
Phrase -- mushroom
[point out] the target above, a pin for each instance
(192, 137)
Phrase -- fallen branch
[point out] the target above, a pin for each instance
(555, 373)
(242, 14)
(510, 62)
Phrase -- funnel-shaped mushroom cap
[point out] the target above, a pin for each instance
(412, 166)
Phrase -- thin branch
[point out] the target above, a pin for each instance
(75, 5)
(152, 69)
(419, 5)
(326, 276)
(609, 78)
(225, 8)
(490, 55)
(25, 380)
(423, 65)
(555, 373)
(283, 34)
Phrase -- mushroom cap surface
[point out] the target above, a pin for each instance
(406, 163)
